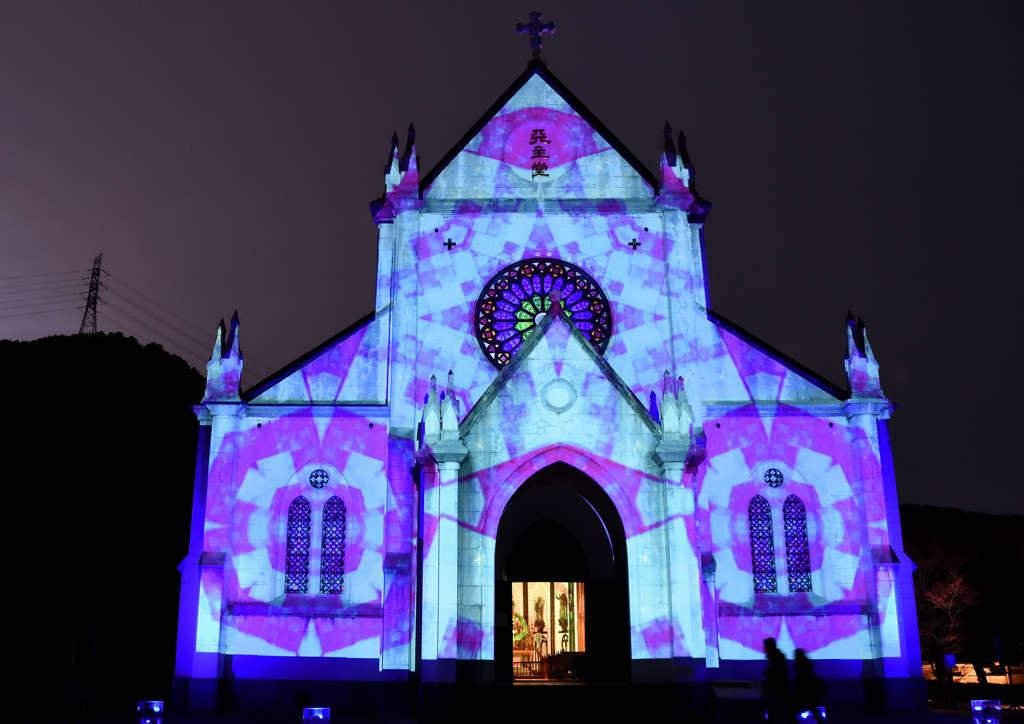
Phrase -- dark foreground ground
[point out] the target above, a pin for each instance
(936, 717)
(510, 711)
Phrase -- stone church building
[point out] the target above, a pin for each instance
(541, 456)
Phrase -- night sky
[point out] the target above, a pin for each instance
(863, 156)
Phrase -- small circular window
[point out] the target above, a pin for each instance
(773, 476)
(319, 478)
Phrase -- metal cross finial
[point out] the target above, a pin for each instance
(535, 28)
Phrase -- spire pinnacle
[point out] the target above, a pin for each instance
(410, 150)
(393, 156)
(224, 370)
(861, 365)
(669, 147)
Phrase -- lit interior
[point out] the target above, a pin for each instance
(548, 628)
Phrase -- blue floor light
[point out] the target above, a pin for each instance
(809, 714)
(150, 712)
(986, 711)
(318, 714)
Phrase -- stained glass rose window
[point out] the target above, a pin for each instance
(518, 297)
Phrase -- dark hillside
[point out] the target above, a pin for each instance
(99, 458)
(988, 551)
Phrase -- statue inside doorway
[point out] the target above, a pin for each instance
(538, 610)
(563, 615)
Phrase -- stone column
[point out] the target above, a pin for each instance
(441, 565)
(863, 414)
(431, 512)
(684, 591)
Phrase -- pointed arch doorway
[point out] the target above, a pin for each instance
(561, 585)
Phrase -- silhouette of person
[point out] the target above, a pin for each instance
(776, 683)
(807, 687)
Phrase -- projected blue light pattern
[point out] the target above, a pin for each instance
(798, 559)
(762, 549)
(297, 560)
(515, 300)
(332, 550)
(739, 428)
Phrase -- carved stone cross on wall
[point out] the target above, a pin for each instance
(634, 244)
(535, 28)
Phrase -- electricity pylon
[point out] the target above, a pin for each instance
(89, 318)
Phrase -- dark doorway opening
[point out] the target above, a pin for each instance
(561, 530)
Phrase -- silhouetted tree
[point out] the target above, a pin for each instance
(951, 599)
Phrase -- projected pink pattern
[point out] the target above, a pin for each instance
(539, 182)
(272, 464)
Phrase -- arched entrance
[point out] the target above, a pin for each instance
(560, 526)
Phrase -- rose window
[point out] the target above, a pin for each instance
(518, 297)
(319, 478)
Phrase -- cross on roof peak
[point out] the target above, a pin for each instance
(535, 28)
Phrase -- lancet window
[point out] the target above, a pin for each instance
(762, 548)
(798, 560)
(296, 578)
(332, 552)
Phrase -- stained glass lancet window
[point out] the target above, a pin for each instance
(515, 300)
(296, 567)
(798, 559)
(762, 547)
(332, 552)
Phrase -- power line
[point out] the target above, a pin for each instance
(255, 366)
(184, 334)
(203, 355)
(59, 293)
(30, 294)
(40, 286)
(15, 303)
(41, 311)
(45, 274)
(180, 319)
(167, 340)
(164, 337)
(122, 326)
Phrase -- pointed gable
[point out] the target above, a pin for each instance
(750, 370)
(349, 368)
(538, 141)
(559, 390)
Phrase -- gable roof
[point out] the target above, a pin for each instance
(508, 371)
(538, 68)
(785, 360)
(265, 384)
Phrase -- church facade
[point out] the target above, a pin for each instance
(541, 412)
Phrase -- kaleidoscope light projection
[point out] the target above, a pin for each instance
(515, 300)
(563, 286)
